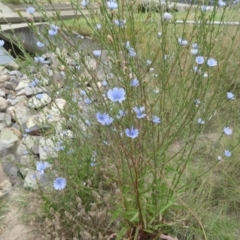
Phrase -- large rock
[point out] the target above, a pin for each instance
(4, 78)
(35, 125)
(20, 112)
(33, 180)
(38, 101)
(47, 148)
(10, 168)
(2, 93)
(16, 99)
(5, 120)
(3, 104)
(5, 184)
(10, 85)
(9, 141)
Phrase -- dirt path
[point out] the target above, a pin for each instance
(15, 218)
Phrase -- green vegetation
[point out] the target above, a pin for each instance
(176, 175)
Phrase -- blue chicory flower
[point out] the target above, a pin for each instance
(182, 42)
(98, 26)
(227, 153)
(104, 118)
(119, 23)
(167, 16)
(197, 101)
(30, 10)
(84, 3)
(34, 83)
(121, 113)
(104, 83)
(221, 3)
(97, 53)
(227, 130)
(200, 121)
(59, 183)
(116, 94)
(195, 69)
(230, 96)
(156, 120)
(39, 96)
(195, 46)
(82, 92)
(53, 30)
(139, 112)
(40, 44)
(87, 100)
(41, 166)
(39, 59)
(194, 51)
(134, 82)
(112, 4)
(132, 52)
(211, 62)
(131, 132)
(199, 59)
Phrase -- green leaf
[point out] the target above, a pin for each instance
(169, 204)
(121, 233)
(134, 217)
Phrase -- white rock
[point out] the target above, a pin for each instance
(58, 105)
(20, 112)
(35, 102)
(33, 180)
(4, 77)
(2, 93)
(22, 85)
(46, 149)
(16, 100)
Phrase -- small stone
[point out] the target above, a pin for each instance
(3, 104)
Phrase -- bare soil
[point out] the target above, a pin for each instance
(15, 222)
